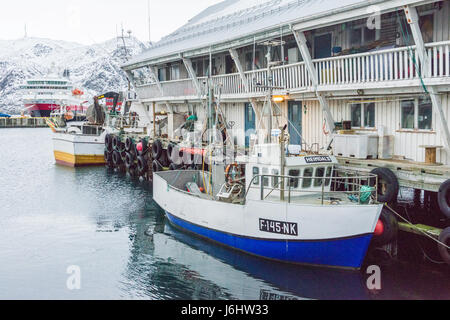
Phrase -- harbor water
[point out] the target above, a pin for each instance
(57, 222)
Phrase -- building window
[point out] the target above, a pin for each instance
(360, 35)
(363, 115)
(356, 115)
(175, 72)
(417, 114)
(425, 118)
(369, 115)
(408, 107)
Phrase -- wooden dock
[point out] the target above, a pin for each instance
(410, 174)
(23, 123)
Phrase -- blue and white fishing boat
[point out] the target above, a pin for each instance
(255, 207)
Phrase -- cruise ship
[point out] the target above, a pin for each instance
(47, 95)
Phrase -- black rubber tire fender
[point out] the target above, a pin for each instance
(444, 198)
(129, 144)
(108, 143)
(142, 165)
(129, 160)
(391, 181)
(157, 149)
(108, 156)
(117, 158)
(390, 224)
(444, 237)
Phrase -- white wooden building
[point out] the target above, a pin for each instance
(383, 65)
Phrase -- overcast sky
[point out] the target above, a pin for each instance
(90, 21)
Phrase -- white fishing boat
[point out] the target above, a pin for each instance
(298, 217)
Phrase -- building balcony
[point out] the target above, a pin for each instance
(376, 71)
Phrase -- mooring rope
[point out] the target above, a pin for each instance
(413, 226)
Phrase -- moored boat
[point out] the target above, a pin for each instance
(254, 207)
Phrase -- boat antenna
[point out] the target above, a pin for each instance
(149, 25)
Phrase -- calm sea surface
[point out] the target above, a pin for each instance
(109, 228)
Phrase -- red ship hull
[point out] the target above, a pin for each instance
(44, 110)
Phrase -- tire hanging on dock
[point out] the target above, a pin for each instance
(444, 237)
(117, 158)
(142, 166)
(129, 160)
(157, 149)
(129, 144)
(444, 198)
(388, 185)
(108, 143)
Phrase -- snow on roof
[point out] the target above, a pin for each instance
(232, 19)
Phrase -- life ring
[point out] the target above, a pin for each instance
(142, 165)
(444, 198)
(157, 149)
(444, 237)
(228, 172)
(388, 186)
(389, 227)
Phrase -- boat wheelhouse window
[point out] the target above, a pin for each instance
(265, 179)
(329, 172)
(307, 178)
(255, 173)
(425, 117)
(293, 182)
(275, 179)
(320, 173)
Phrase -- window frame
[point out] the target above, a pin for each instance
(363, 105)
(416, 117)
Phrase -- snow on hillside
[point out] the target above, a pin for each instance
(94, 69)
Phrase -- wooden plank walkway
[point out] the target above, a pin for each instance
(410, 174)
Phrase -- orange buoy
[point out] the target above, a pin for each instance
(379, 229)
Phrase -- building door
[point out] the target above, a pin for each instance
(322, 46)
(295, 121)
(250, 123)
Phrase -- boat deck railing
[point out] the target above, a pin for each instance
(344, 185)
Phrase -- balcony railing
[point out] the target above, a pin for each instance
(374, 67)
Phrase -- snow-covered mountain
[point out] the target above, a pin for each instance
(95, 69)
